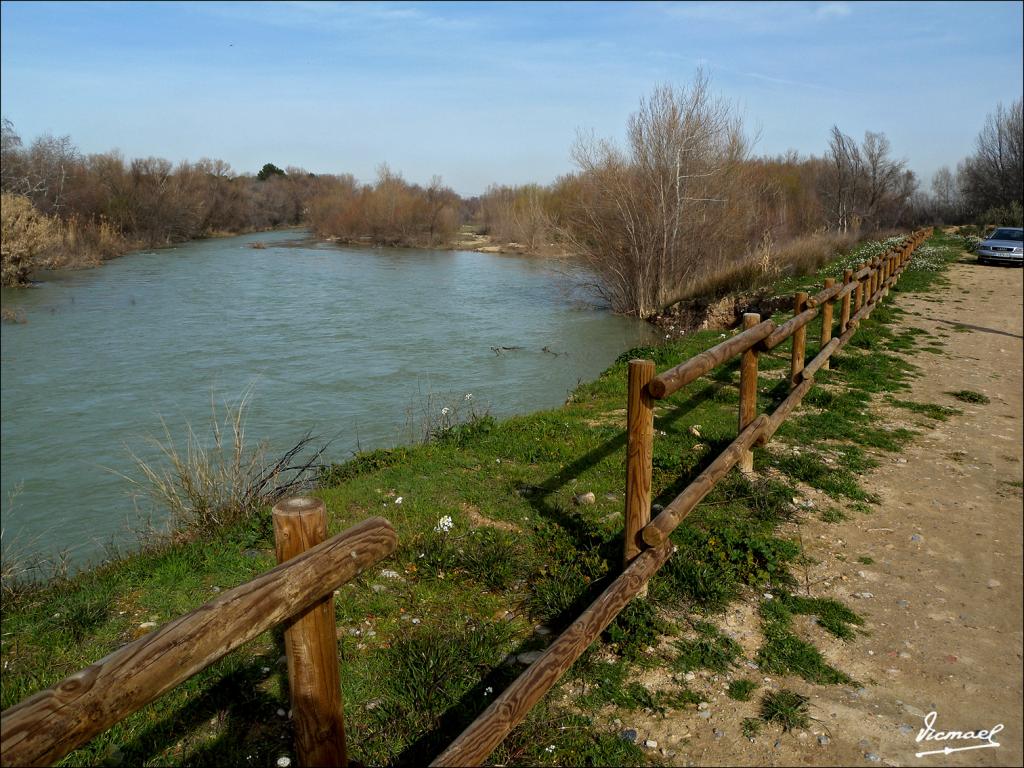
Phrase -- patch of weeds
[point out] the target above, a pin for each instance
(363, 463)
(709, 650)
(832, 515)
(866, 560)
(549, 738)
(931, 410)
(810, 469)
(751, 727)
(606, 683)
(495, 558)
(784, 653)
(786, 708)
(635, 629)
(742, 689)
(970, 396)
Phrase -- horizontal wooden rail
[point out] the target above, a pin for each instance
(43, 728)
(825, 295)
(672, 380)
(485, 733)
(658, 530)
(788, 328)
(820, 359)
(846, 288)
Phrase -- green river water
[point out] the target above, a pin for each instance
(352, 344)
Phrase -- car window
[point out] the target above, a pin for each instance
(1008, 234)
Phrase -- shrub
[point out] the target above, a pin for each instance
(26, 237)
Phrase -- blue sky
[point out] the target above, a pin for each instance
(483, 93)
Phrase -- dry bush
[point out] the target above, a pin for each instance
(219, 480)
(656, 216)
(26, 237)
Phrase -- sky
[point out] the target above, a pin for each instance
(483, 93)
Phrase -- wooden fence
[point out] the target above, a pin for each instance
(647, 546)
(299, 591)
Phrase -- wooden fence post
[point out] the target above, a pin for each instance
(826, 320)
(639, 454)
(858, 294)
(799, 341)
(844, 307)
(311, 645)
(748, 390)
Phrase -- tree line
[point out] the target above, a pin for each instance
(681, 207)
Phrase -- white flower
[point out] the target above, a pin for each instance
(488, 691)
(549, 748)
(398, 500)
(445, 411)
(468, 397)
(444, 525)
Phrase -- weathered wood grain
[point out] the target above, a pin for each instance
(45, 727)
(799, 341)
(311, 645)
(748, 391)
(639, 454)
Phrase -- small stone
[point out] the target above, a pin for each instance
(906, 730)
(872, 757)
(283, 762)
(628, 735)
(281, 713)
(912, 710)
(917, 537)
(695, 430)
(903, 603)
(651, 744)
(703, 705)
(529, 657)
(251, 553)
(719, 734)
(823, 740)
(377, 587)
(992, 584)
(777, 743)
(389, 574)
(704, 714)
(904, 655)
(586, 498)
(542, 631)
(265, 670)
(147, 625)
(415, 621)
(611, 497)
(656, 508)
(689, 676)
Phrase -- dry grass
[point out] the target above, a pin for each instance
(802, 255)
(219, 480)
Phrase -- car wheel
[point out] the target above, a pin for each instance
(982, 261)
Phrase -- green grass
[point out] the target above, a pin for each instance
(786, 708)
(427, 648)
(708, 650)
(931, 410)
(742, 689)
(970, 396)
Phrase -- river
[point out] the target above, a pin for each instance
(354, 345)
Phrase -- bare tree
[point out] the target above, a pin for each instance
(993, 176)
(653, 217)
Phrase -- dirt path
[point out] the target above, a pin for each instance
(942, 591)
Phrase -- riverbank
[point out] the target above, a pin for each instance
(535, 505)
